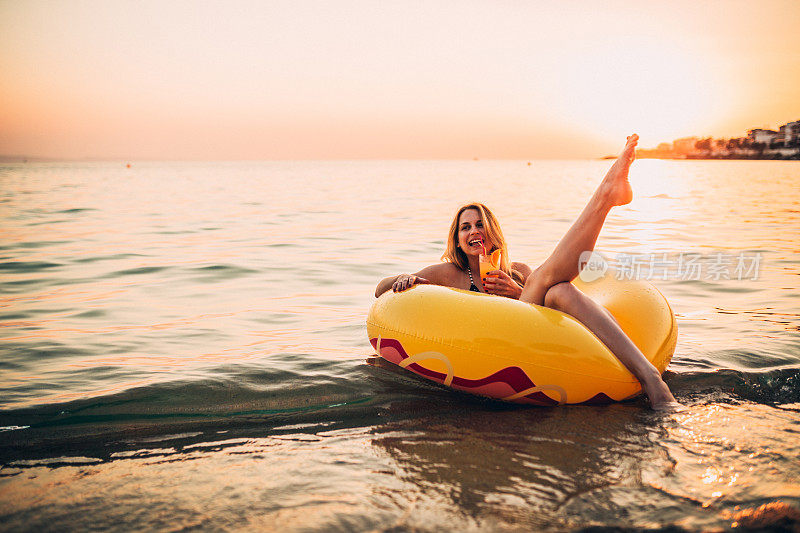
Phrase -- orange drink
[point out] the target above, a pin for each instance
(489, 262)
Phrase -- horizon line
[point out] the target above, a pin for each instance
(41, 159)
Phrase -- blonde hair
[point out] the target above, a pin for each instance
(494, 235)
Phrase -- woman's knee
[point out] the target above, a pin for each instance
(534, 290)
(560, 296)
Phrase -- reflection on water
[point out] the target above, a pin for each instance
(438, 465)
(183, 346)
(517, 466)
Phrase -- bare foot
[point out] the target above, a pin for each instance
(670, 407)
(615, 183)
(661, 399)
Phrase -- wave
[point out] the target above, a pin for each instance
(309, 394)
(773, 387)
(27, 267)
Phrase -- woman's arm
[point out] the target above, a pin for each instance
(439, 274)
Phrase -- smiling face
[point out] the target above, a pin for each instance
(474, 223)
(471, 233)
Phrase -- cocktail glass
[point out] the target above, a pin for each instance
(489, 262)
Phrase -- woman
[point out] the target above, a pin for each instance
(549, 285)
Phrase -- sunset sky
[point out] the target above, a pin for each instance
(381, 79)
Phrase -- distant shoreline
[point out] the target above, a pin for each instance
(759, 144)
(775, 157)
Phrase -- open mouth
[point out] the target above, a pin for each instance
(476, 242)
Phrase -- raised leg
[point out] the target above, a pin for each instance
(562, 265)
(567, 298)
(549, 285)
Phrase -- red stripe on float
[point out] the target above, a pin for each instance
(496, 385)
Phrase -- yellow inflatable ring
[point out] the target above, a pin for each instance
(509, 350)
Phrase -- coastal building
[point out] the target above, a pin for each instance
(759, 135)
(791, 133)
(684, 146)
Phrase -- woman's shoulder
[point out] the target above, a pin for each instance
(441, 273)
(441, 268)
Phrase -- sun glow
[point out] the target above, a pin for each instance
(651, 87)
(282, 80)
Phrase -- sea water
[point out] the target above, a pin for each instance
(183, 345)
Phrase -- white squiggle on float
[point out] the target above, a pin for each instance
(422, 356)
(521, 394)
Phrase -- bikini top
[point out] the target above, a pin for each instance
(472, 286)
